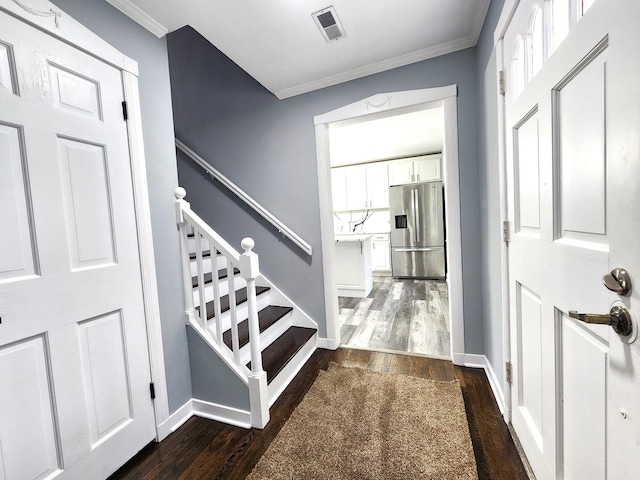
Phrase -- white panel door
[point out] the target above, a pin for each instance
(572, 111)
(74, 367)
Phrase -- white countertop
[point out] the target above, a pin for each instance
(352, 238)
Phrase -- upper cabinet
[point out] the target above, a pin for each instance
(360, 187)
(415, 170)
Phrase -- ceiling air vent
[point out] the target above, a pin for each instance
(328, 23)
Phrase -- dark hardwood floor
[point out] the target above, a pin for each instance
(204, 449)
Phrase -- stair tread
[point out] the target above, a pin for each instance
(205, 254)
(276, 356)
(241, 297)
(208, 277)
(266, 317)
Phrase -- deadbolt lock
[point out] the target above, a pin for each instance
(619, 318)
(618, 281)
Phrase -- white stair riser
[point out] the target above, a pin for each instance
(192, 244)
(239, 283)
(221, 262)
(242, 311)
(267, 337)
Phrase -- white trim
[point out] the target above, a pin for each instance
(139, 16)
(221, 413)
(245, 197)
(390, 104)
(175, 420)
(453, 224)
(331, 307)
(145, 248)
(504, 215)
(497, 390)
(327, 343)
(72, 32)
(383, 66)
(470, 360)
(387, 102)
(508, 9)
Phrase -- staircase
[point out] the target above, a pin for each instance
(260, 334)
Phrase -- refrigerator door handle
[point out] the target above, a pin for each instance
(416, 215)
(419, 249)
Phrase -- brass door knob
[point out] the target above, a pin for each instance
(619, 318)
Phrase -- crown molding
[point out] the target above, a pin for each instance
(139, 16)
(400, 61)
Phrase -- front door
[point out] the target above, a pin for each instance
(572, 112)
(74, 367)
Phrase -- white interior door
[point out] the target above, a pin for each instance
(572, 111)
(74, 365)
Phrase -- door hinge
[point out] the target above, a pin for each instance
(505, 231)
(501, 82)
(507, 369)
(125, 112)
(152, 390)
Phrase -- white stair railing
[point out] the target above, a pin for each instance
(196, 315)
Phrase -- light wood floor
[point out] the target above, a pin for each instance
(405, 315)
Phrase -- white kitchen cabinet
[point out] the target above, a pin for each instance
(339, 189)
(381, 253)
(360, 187)
(415, 170)
(353, 265)
(377, 185)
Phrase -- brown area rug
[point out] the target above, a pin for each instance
(359, 424)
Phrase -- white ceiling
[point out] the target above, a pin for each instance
(278, 43)
(404, 135)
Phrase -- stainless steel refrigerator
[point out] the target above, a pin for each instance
(417, 230)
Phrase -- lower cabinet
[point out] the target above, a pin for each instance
(381, 254)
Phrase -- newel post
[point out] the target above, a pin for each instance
(181, 206)
(258, 394)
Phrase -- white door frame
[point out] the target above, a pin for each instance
(48, 17)
(508, 9)
(388, 102)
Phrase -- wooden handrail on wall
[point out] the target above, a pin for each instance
(246, 198)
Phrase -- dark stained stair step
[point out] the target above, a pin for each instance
(205, 254)
(208, 277)
(241, 297)
(266, 317)
(276, 356)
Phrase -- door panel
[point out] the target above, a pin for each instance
(28, 429)
(581, 351)
(17, 255)
(87, 203)
(64, 147)
(572, 146)
(580, 140)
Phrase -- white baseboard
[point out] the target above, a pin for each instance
(327, 343)
(175, 421)
(480, 361)
(222, 413)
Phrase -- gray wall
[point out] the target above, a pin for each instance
(216, 383)
(267, 147)
(490, 192)
(157, 119)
